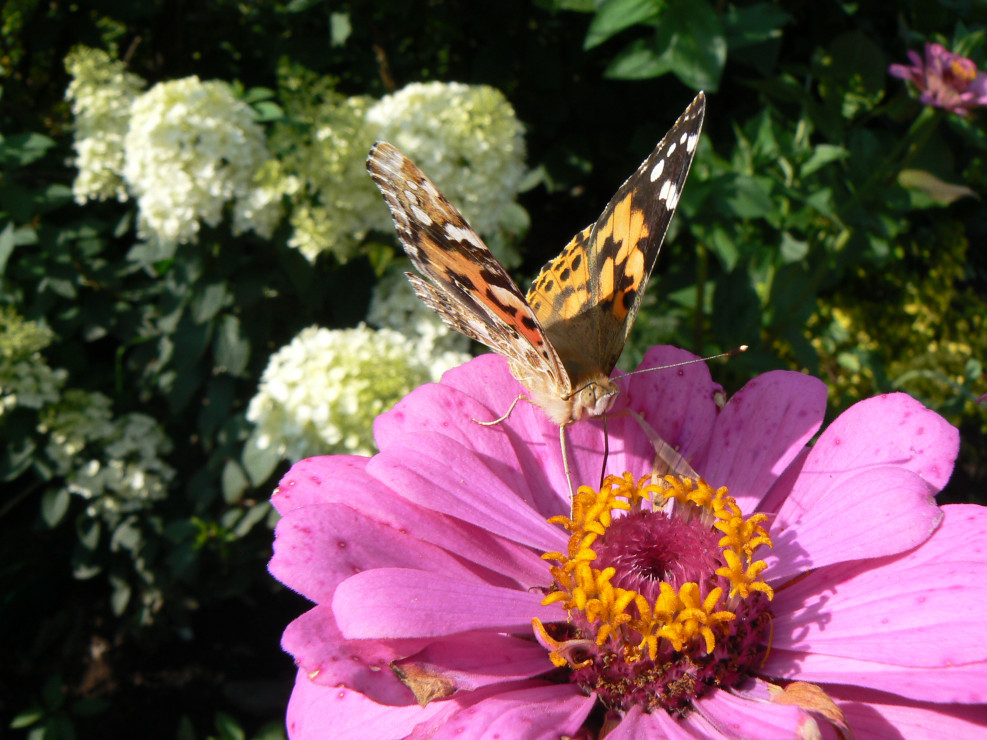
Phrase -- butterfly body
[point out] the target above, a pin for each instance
(563, 339)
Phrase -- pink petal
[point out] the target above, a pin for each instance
(677, 402)
(328, 659)
(475, 660)
(637, 725)
(883, 611)
(536, 713)
(446, 410)
(873, 717)
(302, 484)
(961, 684)
(742, 718)
(437, 472)
(866, 514)
(317, 547)
(486, 379)
(892, 429)
(338, 480)
(319, 712)
(760, 431)
(390, 603)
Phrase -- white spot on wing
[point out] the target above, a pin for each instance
(672, 198)
(685, 135)
(671, 149)
(420, 216)
(663, 193)
(691, 144)
(459, 233)
(429, 188)
(503, 295)
(659, 168)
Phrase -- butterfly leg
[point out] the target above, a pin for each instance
(522, 397)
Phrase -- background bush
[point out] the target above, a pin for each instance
(831, 222)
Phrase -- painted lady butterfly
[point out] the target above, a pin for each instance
(563, 339)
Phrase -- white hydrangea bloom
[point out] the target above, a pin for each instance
(114, 463)
(25, 378)
(192, 148)
(394, 305)
(101, 93)
(468, 140)
(320, 393)
(335, 203)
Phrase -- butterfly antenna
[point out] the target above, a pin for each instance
(606, 450)
(739, 350)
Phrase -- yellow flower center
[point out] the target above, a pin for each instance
(687, 617)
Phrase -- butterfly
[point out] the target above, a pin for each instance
(563, 339)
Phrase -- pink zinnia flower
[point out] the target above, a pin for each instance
(436, 615)
(946, 80)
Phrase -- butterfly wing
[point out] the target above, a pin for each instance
(467, 287)
(588, 296)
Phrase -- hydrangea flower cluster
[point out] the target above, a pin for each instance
(192, 148)
(115, 463)
(944, 80)
(468, 140)
(394, 305)
(752, 580)
(187, 149)
(321, 392)
(25, 379)
(101, 93)
(322, 148)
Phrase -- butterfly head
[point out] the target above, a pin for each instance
(593, 397)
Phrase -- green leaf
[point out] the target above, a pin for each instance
(84, 564)
(6, 245)
(232, 348)
(618, 15)
(748, 196)
(821, 156)
(721, 243)
(127, 536)
(22, 149)
(54, 505)
(120, 596)
(259, 463)
(792, 249)
(578, 6)
(267, 110)
(638, 61)
(208, 300)
(229, 728)
(689, 43)
(17, 455)
(88, 530)
(340, 28)
(234, 482)
(270, 731)
(255, 514)
(27, 718)
(754, 24)
(937, 190)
